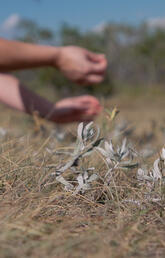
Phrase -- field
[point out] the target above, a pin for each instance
(122, 218)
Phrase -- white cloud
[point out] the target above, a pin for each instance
(10, 23)
(157, 22)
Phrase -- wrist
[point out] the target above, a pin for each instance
(56, 57)
(49, 55)
(53, 55)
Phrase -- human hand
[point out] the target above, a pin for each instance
(80, 65)
(76, 109)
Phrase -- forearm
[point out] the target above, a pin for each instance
(18, 55)
(16, 96)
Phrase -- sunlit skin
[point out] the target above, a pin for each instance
(77, 64)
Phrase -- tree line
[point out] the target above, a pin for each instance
(136, 54)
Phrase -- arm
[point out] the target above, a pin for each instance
(17, 96)
(77, 64)
(18, 55)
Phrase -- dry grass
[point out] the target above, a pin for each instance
(46, 221)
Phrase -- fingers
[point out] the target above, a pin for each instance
(95, 57)
(98, 68)
(93, 105)
(83, 108)
(94, 79)
(87, 99)
(98, 62)
(97, 65)
(91, 79)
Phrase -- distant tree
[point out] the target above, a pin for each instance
(30, 31)
(135, 54)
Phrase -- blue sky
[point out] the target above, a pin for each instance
(86, 14)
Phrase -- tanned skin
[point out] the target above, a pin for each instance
(77, 64)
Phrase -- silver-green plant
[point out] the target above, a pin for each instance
(156, 173)
(88, 138)
(153, 179)
(117, 158)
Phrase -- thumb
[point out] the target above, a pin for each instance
(95, 57)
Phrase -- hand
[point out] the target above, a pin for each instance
(76, 109)
(80, 65)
